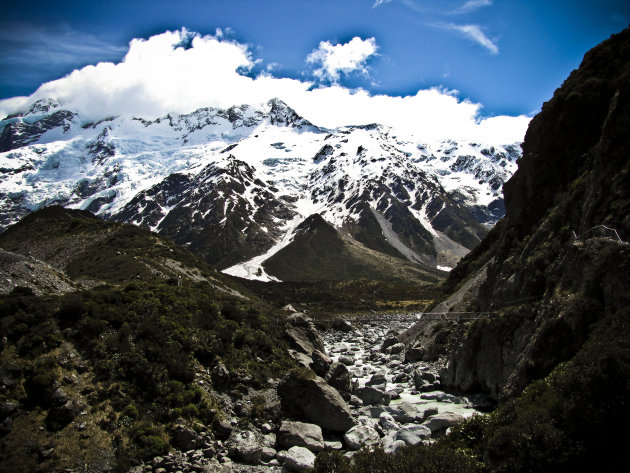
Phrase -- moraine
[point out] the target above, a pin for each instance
(361, 350)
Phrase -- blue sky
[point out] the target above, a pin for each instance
(506, 56)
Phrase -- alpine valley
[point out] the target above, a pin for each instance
(262, 193)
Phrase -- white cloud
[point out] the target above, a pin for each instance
(472, 5)
(474, 33)
(156, 77)
(342, 58)
(380, 2)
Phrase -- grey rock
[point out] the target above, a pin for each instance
(333, 445)
(299, 459)
(355, 401)
(244, 446)
(442, 421)
(412, 434)
(339, 378)
(360, 436)
(220, 376)
(372, 396)
(346, 360)
(59, 397)
(300, 434)
(378, 380)
(222, 429)
(415, 353)
(387, 422)
(315, 401)
(321, 363)
(395, 349)
(391, 445)
(303, 336)
(185, 438)
(268, 454)
(388, 342)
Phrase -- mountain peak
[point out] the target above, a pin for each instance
(281, 114)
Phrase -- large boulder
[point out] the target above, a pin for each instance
(442, 421)
(245, 446)
(321, 363)
(388, 342)
(185, 438)
(413, 434)
(300, 434)
(299, 459)
(361, 436)
(339, 377)
(372, 396)
(304, 395)
(303, 335)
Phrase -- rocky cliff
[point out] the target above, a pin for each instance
(559, 261)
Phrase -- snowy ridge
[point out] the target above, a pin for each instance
(234, 184)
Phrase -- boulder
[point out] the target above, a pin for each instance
(403, 413)
(346, 360)
(342, 325)
(413, 434)
(391, 445)
(340, 378)
(312, 399)
(299, 459)
(378, 380)
(395, 349)
(372, 396)
(321, 363)
(300, 434)
(222, 429)
(185, 438)
(303, 336)
(387, 422)
(267, 454)
(361, 436)
(441, 422)
(388, 342)
(220, 376)
(333, 445)
(244, 446)
(415, 353)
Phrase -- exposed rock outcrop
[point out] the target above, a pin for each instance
(551, 270)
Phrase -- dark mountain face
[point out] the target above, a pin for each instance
(558, 262)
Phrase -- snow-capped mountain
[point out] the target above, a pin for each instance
(234, 185)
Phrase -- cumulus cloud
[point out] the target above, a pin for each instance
(342, 58)
(179, 72)
(474, 33)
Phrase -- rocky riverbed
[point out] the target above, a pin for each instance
(360, 386)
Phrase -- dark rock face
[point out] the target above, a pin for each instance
(21, 133)
(545, 285)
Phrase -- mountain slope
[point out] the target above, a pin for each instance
(83, 251)
(233, 185)
(319, 252)
(559, 262)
